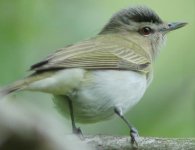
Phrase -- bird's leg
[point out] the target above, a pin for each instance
(75, 130)
(133, 131)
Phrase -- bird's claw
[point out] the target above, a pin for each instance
(78, 132)
(134, 136)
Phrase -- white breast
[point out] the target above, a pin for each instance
(101, 91)
(94, 94)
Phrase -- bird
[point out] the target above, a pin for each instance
(106, 75)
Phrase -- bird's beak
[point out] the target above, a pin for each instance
(173, 26)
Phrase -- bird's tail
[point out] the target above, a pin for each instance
(16, 86)
(21, 84)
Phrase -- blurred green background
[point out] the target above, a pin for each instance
(30, 30)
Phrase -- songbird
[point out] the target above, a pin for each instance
(106, 75)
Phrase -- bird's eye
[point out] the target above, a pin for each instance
(145, 31)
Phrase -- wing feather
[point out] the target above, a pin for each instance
(97, 54)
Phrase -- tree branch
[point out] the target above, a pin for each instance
(102, 142)
(25, 127)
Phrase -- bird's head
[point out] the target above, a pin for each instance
(143, 26)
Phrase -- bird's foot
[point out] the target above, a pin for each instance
(78, 132)
(134, 137)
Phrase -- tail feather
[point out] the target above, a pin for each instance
(18, 85)
(22, 84)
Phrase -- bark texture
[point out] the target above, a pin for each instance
(103, 142)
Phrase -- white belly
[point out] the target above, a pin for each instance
(101, 91)
(94, 94)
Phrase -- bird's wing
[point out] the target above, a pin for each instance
(96, 54)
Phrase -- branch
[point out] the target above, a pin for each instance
(102, 142)
(25, 127)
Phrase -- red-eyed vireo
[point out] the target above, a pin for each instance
(104, 76)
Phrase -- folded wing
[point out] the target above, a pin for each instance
(97, 53)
